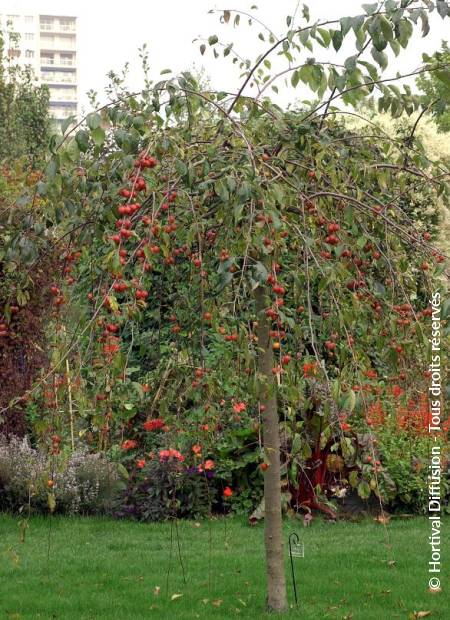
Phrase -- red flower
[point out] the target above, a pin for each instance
(397, 391)
(227, 492)
(209, 464)
(154, 425)
(129, 444)
(140, 463)
(196, 449)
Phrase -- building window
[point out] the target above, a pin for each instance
(66, 59)
(66, 24)
(65, 77)
(29, 54)
(47, 41)
(29, 36)
(46, 23)
(29, 19)
(47, 59)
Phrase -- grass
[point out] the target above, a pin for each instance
(102, 569)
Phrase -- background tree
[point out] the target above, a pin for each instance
(24, 112)
(436, 87)
(24, 136)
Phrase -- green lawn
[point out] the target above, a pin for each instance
(103, 569)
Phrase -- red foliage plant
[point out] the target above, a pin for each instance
(21, 348)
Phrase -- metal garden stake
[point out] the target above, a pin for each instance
(296, 550)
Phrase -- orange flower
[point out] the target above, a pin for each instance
(140, 463)
(239, 407)
(375, 414)
(309, 370)
(209, 464)
(227, 492)
(165, 455)
(196, 449)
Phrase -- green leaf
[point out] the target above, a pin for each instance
(98, 136)
(337, 39)
(325, 37)
(350, 63)
(202, 49)
(295, 77)
(261, 272)
(363, 490)
(213, 39)
(66, 123)
(443, 8)
(357, 23)
(404, 30)
(370, 9)
(380, 58)
(180, 167)
(349, 401)
(346, 24)
(395, 45)
(353, 478)
(82, 140)
(93, 120)
(443, 76)
(425, 24)
(386, 28)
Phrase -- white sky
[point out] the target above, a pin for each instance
(110, 32)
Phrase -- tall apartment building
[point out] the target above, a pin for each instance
(48, 43)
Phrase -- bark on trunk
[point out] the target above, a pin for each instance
(276, 580)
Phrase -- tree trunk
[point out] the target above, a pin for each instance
(276, 581)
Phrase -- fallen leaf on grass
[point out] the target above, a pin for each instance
(175, 596)
(420, 614)
(383, 519)
(218, 602)
(157, 590)
(434, 590)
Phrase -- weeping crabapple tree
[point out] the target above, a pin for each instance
(236, 242)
